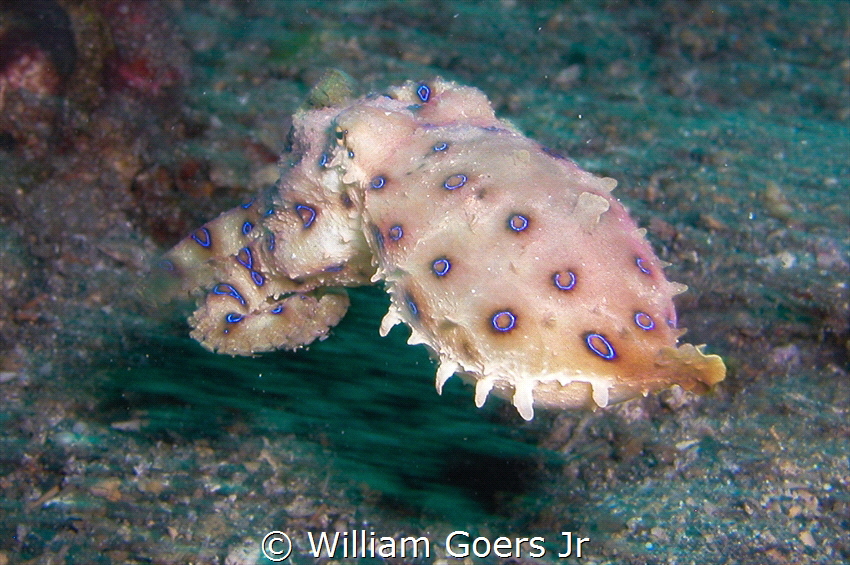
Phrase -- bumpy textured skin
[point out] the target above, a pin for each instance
(517, 269)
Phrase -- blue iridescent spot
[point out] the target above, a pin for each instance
(411, 305)
(270, 211)
(423, 92)
(562, 282)
(379, 237)
(644, 321)
(553, 153)
(228, 290)
(334, 268)
(271, 241)
(258, 278)
(503, 321)
(378, 182)
(168, 265)
(441, 267)
(245, 258)
(248, 204)
(350, 154)
(247, 227)
(455, 181)
(323, 160)
(600, 346)
(233, 318)
(396, 232)
(518, 222)
(442, 146)
(202, 237)
(277, 309)
(307, 214)
(639, 262)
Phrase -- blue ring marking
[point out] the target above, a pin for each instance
(350, 154)
(606, 351)
(503, 321)
(310, 216)
(459, 182)
(248, 204)
(644, 321)
(378, 182)
(247, 227)
(204, 241)
(556, 278)
(168, 265)
(518, 222)
(258, 278)
(334, 268)
(270, 211)
(271, 241)
(442, 146)
(323, 160)
(639, 263)
(277, 309)
(379, 237)
(423, 92)
(396, 232)
(411, 305)
(233, 318)
(553, 153)
(248, 261)
(228, 290)
(441, 267)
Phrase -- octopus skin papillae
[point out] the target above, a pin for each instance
(517, 269)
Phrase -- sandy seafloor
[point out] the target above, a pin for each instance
(123, 441)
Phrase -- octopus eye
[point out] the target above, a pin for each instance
(504, 321)
(600, 346)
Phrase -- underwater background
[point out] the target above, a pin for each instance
(124, 125)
